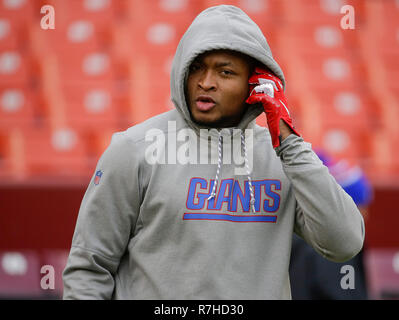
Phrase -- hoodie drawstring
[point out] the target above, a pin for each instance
(213, 193)
(251, 190)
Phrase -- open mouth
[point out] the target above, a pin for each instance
(205, 103)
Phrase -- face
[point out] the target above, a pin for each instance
(217, 88)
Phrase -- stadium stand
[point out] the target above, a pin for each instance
(105, 67)
(383, 273)
(20, 275)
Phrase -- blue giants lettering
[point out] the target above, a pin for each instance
(221, 196)
(196, 200)
(238, 195)
(272, 203)
(231, 197)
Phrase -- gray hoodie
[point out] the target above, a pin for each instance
(185, 228)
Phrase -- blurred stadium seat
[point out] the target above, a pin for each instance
(150, 87)
(19, 11)
(84, 25)
(14, 67)
(179, 13)
(384, 157)
(26, 274)
(344, 107)
(342, 142)
(326, 71)
(265, 13)
(16, 107)
(382, 265)
(9, 33)
(60, 153)
(319, 11)
(88, 67)
(91, 106)
(316, 38)
(20, 275)
(96, 143)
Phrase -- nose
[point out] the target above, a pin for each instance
(207, 81)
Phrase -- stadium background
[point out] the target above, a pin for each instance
(105, 67)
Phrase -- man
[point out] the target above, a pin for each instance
(315, 278)
(166, 230)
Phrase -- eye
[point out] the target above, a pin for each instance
(194, 67)
(227, 72)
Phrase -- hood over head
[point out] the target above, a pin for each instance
(220, 27)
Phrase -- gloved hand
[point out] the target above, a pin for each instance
(267, 89)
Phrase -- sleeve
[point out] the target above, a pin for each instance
(105, 223)
(326, 216)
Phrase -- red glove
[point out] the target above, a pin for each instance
(267, 89)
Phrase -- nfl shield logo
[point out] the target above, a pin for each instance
(97, 178)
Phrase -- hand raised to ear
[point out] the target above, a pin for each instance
(268, 90)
